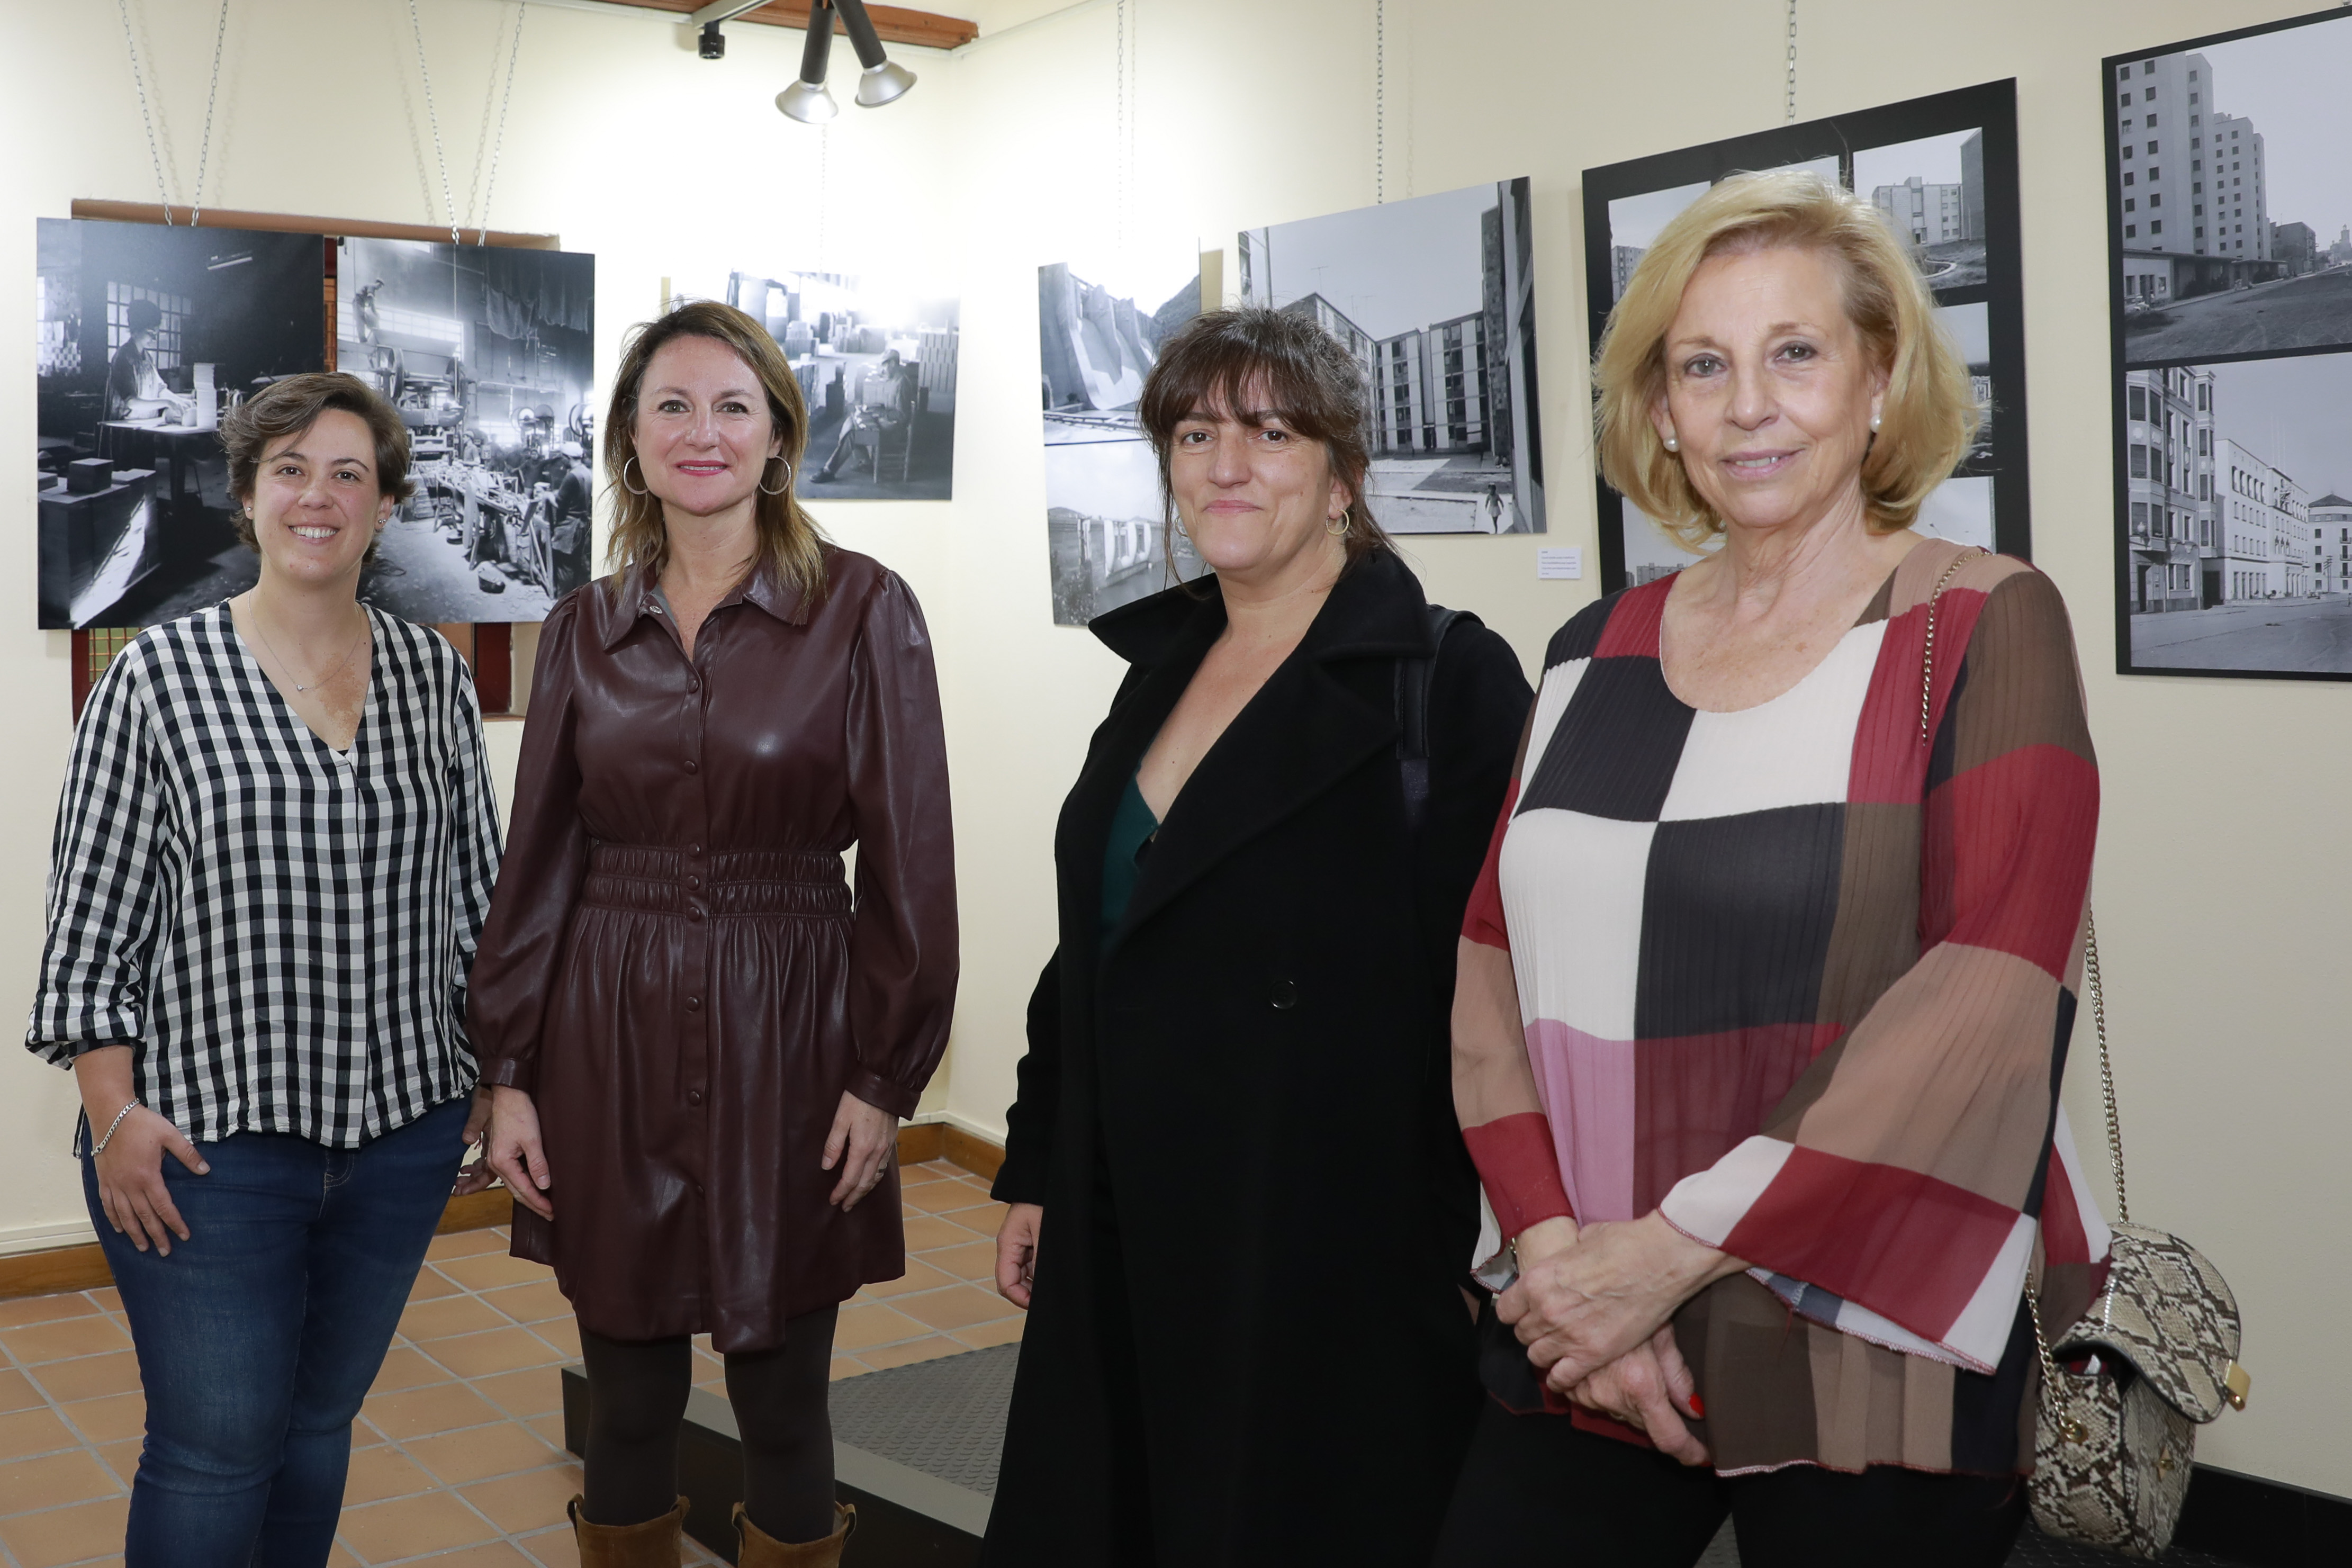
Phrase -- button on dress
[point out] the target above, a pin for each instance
(675, 967)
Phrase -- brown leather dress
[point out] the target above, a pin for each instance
(674, 965)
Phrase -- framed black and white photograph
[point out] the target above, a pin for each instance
(488, 353)
(876, 362)
(1943, 173)
(145, 333)
(2230, 235)
(1100, 328)
(1435, 296)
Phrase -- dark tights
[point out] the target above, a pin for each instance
(636, 1400)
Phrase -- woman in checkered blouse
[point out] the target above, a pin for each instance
(1766, 983)
(272, 863)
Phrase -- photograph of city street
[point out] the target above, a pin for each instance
(876, 362)
(2230, 196)
(486, 351)
(1435, 296)
(144, 334)
(1942, 172)
(2236, 552)
(1100, 328)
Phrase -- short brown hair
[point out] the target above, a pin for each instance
(1300, 374)
(290, 407)
(1929, 414)
(790, 544)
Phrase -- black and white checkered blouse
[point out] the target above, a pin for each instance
(283, 930)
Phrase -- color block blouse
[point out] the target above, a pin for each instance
(1801, 977)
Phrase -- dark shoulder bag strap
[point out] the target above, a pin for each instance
(1413, 717)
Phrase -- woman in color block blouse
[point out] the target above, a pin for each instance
(1766, 985)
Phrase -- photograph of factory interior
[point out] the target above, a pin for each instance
(972, 231)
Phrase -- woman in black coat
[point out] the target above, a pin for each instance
(1235, 1132)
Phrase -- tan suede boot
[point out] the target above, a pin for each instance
(762, 1549)
(653, 1545)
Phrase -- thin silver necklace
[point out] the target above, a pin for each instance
(342, 665)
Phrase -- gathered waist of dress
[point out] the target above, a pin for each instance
(655, 879)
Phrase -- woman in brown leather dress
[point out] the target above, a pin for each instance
(702, 1042)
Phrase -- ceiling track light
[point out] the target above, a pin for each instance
(882, 81)
(807, 100)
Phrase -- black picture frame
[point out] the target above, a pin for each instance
(1989, 108)
(2155, 343)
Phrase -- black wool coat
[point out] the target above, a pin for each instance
(1252, 1073)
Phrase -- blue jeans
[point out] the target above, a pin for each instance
(260, 1334)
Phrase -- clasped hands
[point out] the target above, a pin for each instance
(1593, 1305)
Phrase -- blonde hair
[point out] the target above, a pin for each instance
(790, 545)
(1926, 419)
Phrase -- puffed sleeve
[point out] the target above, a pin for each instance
(474, 833)
(111, 867)
(540, 878)
(902, 945)
(1897, 1193)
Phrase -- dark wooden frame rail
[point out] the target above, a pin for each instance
(488, 646)
(892, 24)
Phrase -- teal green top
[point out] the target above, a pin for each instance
(1132, 828)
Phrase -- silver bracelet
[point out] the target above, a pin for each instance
(99, 1147)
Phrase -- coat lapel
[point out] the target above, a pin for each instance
(1304, 730)
(1165, 638)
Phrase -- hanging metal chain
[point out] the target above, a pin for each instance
(1790, 108)
(513, 51)
(2106, 1063)
(204, 150)
(1119, 123)
(154, 148)
(1379, 100)
(433, 118)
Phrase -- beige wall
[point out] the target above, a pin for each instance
(2222, 896)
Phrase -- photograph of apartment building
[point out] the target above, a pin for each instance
(1436, 298)
(1941, 172)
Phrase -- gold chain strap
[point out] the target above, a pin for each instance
(1927, 659)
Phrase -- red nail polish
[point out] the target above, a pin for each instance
(1699, 1407)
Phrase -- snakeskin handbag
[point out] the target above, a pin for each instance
(2124, 1389)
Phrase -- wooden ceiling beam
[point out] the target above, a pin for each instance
(892, 24)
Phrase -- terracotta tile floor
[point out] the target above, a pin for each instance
(458, 1459)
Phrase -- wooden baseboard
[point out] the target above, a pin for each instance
(59, 1269)
(974, 1153)
(476, 1211)
(84, 1267)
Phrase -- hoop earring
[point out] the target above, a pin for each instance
(628, 487)
(1347, 521)
(788, 477)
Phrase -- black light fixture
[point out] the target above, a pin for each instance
(883, 80)
(807, 100)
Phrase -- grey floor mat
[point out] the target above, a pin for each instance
(944, 1417)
